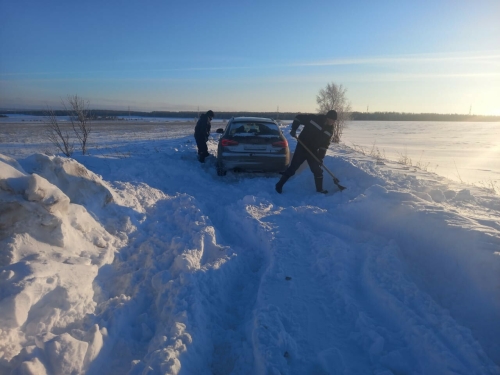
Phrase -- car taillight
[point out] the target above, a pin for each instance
(283, 144)
(228, 142)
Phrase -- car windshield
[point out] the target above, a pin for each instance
(245, 129)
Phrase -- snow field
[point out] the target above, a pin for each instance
(152, 264)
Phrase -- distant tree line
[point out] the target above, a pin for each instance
(400, 116)
(354, 116)
(115, 114)
(226, 115)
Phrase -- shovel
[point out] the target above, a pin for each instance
(335, 179)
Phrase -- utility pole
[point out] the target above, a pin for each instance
(470, 110)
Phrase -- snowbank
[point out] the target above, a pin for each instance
(51, 251)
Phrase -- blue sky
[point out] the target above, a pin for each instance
(406, 56)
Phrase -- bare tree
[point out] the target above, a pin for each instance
(57, 136)
(334, 97)
(80, 117)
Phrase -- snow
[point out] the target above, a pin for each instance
(143, 261)
(461, 151)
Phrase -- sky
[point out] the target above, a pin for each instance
(438, 56)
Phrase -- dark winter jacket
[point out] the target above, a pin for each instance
(202, 128)
(316, 134)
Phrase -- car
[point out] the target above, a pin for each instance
(252, 144)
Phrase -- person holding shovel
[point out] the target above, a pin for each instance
(313, 142)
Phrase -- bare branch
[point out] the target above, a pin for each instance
(334, 97)
(80, 118)
(56, 135)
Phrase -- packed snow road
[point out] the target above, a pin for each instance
(221, 275)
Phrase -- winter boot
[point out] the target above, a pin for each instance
(319, 185)
(203, 156)
(281, 182)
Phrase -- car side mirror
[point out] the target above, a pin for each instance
(220, 131)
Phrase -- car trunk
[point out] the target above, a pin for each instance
(254, 144)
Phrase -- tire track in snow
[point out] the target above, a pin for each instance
(233, 353)
(368, 315)
(236, 229)
(301, 324)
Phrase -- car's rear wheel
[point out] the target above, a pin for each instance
(221, 172)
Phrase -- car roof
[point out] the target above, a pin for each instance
(255, 119)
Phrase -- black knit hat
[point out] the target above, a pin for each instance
(210, 114)
(332, 115)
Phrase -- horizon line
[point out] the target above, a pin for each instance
(248, 111)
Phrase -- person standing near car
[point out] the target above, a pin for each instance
(201, 133)
(316, 136)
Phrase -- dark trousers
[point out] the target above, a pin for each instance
(299, 156)
(201, 143)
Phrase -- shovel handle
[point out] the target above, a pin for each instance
(335, 179)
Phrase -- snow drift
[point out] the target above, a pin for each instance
(51, 251)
